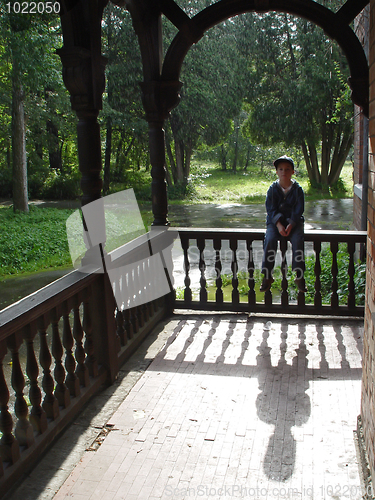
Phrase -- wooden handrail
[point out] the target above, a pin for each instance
(232, 236)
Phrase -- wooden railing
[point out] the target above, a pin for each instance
(57, 347)
(219, 253)
(60, 344)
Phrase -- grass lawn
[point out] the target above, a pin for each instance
(37, 241)
(34, 241)
(213, 185)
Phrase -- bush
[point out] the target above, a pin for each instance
(5, 183)
(33, 241)
(181, 191)
(59, 186)
(326, 277)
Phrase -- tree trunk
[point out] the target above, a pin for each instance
(20, 195)
(314, 162)
(223, 157)
(339, 156)
(187, 163)
(179, 150)
(327, 137)
(247, 158)
(307, 161)
(107, 157)
(234, 166)
(172, 163)
(54, 151)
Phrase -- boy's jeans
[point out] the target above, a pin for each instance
(270, 248)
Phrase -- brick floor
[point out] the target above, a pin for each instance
(235, 407)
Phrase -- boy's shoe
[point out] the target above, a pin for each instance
(300, 282)
(266, 284)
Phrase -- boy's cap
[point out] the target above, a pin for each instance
(284, 158)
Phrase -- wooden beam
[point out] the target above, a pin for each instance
(350, 10)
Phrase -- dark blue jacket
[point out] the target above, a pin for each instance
(288, 209)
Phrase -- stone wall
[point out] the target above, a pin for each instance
(368, 377)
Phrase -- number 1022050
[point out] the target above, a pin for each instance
(33, 7)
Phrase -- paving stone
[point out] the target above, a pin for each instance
(250, 405)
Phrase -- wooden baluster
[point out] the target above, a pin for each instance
(250, 269)
(132, 283)
(202, 267)
(128, 325)
(23, 430)
(82, 371)
(134, 320)
(151, 308)
(148, 272)
(61, 391)
(187, 281)
(91, 361)
(219, 298)
(120, 327)
(71, 381)
(334, 270)
(137, 288)
(146, 312)
(301, 299)
(38, 417)
(317, 272)
(50, 403)
(145, 286)
(233, 244)
(268, 296)
(9, 447)
(351, 271)
(284, 269)
(140, 317)
(139, 314)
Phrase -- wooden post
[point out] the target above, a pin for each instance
(159, 98)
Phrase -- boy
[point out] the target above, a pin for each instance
(285, 203)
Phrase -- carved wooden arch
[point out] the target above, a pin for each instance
(84, 65)
(335, 25)
(146, 16)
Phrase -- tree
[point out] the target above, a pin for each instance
(126, 131)
(211, 97)
(298, 94)
(34, 97)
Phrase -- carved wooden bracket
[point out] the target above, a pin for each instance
(159, 98)
(360, 93)
(85, 84)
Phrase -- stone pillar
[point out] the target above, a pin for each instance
(159, 98)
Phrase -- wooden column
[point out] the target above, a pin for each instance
(86, 99)
(159, 98)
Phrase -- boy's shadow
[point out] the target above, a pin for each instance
(282, 403)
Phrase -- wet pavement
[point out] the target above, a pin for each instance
(319, 214)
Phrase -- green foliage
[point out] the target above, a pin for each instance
(211, 96)
(27, 52)
(298, 93)
(182, 191)
(325, 278)
(34, 241)
(61, 186)
(342, 276)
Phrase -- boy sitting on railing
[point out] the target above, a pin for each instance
(285, 203)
